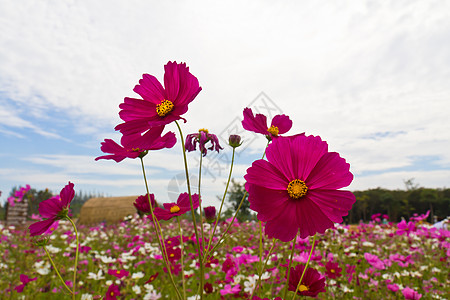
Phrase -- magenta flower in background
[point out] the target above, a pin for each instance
(53, 209)
(333, 270)
(142, 204)
(296, 189)
(411, 294)
(159, 106)
(137, 145)
(25, 280)
(280, 124)
(312, 283)
(118, 273)
(112, 293)
(210, 214)
(202, 137)
(229, 290)
(18, 195)
(176, 209)
(374, 261)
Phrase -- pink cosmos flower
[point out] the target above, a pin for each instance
(393, 287)
(142, 204)
(176, 209)
(333, 270)
(53, 209)
(18, 195)
(159, 106)
(25, 280)
(312, 283)
(228, 289)
(118, 273)
(409, 293)
(137, 145)
(280, 124)
(374, 261)
(296, 189)
(202, 137)
(404, 227)
(112, 293)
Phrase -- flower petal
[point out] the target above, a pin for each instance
(268, 203)
(331, 172)
(264, 174)
(150, 89)
(256, 123)
(334, 204)
(67, 194)
(40, 227)
(50, 207)
(282, 122)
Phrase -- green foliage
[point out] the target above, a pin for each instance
(236, 192)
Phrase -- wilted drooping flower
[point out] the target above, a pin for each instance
(53, 209)
(202, 137)
(280, 124)
(312, 283)
(137, 145)
(159, 106)
(142, 203)
(176, 209)
(296, 189)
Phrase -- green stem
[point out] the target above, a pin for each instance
(263, 268)
(76, 258)
(199, 196)
(159, 235)
(56, 269)
(182, 258)
(289, 267)
(306, 266)
(192, 211)
(220, 209)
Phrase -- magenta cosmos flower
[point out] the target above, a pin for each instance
(176, 209)
(312, 282)
(296, 189)
(52, 210)
(202, 137)
(137, 145)
(280, 124)
(142, 203)
(159, 106)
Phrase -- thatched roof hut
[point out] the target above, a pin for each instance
(107, 209)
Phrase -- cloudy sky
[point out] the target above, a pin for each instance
(369, 77)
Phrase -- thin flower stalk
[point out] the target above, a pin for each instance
(289, 267)
(159, 234)
(306, 267)
(200, 196)
(76, 258)
(182, 258)
(220, 210)
(192, 210)
(263, 268)
(57, 272)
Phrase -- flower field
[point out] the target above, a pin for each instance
(369, 261)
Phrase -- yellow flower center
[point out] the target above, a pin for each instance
(297, 188)
(117, 272)
(303, 288)
(174, 209)
(171, 255)
(273, 130)
(164, 108)
(112, 294)
(332, 271)
(204, 130)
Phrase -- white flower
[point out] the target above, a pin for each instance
(152, 295)
(265, 276)
(97, 276)
(42, 267)
(435, 270)
(250, 284)
(149, 287)
(331, 282)
(109, 282)
(107, 259)
(345, 289)
(137, 275)
(368, 244)
(86, 297)
(136, 289)
(195, 297)
(238, 278)
(52, 249)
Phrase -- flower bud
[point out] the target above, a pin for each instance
(142, 203)
(210, 214)
(234, 140)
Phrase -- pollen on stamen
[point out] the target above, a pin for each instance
(174, 209)
(273, 130)
(303, 288)
(165, 107)
(297, 188)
